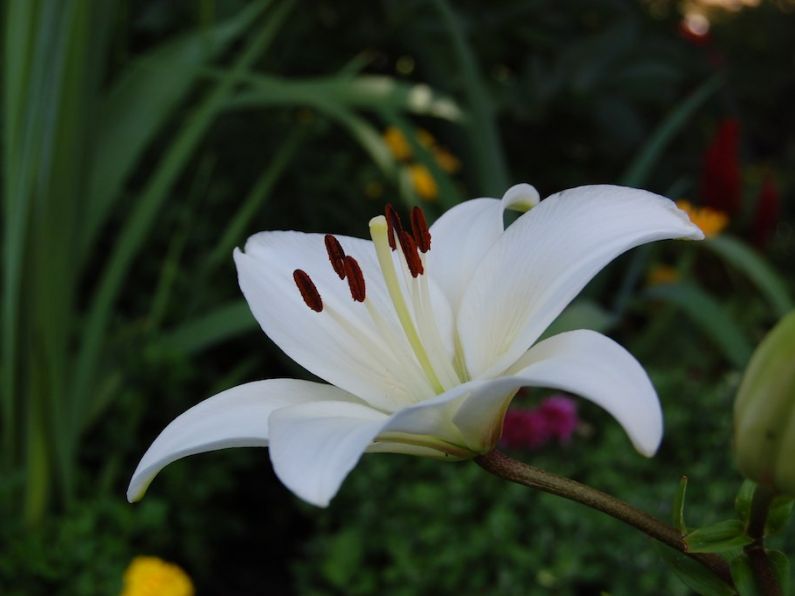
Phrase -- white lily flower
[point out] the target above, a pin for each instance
(424, 348)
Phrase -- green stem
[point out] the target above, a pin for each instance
(505, 467)
(762, 568)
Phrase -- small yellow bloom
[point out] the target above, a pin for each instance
(446, 160)
(711, 221)
(662, 274)
(423, 182)
(426, 139)
(151, 576)
(397, 143)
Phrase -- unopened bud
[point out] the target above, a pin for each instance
(764, 412)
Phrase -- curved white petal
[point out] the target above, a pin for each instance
(597, 368)
(341, 344)
(314, 446)
(237, 417)
(521, 197)
(459, 240)
(542, 261)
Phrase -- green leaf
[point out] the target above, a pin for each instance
(638, 171)
(742, 502)
(582, 314)
(141, 101)
(779, 514)
(781, 566)
(716, 538)
(694, 574)
(709, 315)
(679, 506)
(755, 267)
(743, 576)
(487, 153)
(225, 322)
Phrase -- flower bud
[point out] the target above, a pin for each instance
(764, 412)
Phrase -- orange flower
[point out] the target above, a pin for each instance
(662, 274)
(711, 221)
(423, 182)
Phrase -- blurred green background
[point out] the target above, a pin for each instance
(143, 140)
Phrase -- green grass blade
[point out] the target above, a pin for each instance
(485, 145)
(259, 193)
(223, 323)
(709, 316)
(755, 267)
(140, 102)
(638, 171)
(134, 233)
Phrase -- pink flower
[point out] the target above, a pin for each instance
(531, 428)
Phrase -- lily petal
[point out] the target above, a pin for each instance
(597, 368)
(237, 417)
(542, 261)
(340, 344)
(314, 446)
(460, 238)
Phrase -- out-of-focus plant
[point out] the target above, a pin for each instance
(71, 142)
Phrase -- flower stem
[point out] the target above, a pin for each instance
(761, 566)
(510, 469)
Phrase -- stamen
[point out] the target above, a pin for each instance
(355, 278)
(336, 255)
(419, 227)
(308, 290)
(393, 225)
(409, 248)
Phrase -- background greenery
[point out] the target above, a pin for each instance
(143, 140)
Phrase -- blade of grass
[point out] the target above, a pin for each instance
(143, 216)
(639, 170)
(140, 103)
(259, 193)
(487, 153)
(222, 323)
(708, 314)
(755, 267)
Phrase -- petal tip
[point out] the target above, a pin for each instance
(521, 197)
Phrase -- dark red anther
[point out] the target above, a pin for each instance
(419, 227)
(410, 252)
(393, 225)
(355, 278)
(308, 290)
(336, 255)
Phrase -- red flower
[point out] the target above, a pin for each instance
(767, 211)
(531, 428)
(720, 178)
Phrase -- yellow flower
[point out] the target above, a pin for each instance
(446, 160)
(151, 576)
(423, 182)
(397, 143)
(662, 274)
(711, 221)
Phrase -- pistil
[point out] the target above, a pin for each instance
(380, 233)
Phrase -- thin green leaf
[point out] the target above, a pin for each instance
(779, 514)
(141, 219)
(720, 537)
(638, 171)
(227, 321)
(755, 267)
(259, 193)
(708, 314)
(582, 314)
(781, 567)
(141, 101)
(679, 506)
(743, 576)
(693, 574)
(485, 145)
(742, 502)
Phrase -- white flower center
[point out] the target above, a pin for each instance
(409, 291)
